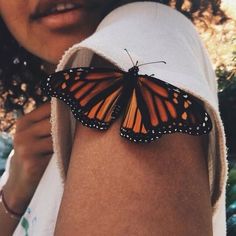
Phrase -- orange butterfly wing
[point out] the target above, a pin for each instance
(92, 93)
(156, 108)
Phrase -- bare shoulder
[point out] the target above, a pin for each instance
(118, 188)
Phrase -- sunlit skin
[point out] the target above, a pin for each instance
(49, 41)
(48, 37)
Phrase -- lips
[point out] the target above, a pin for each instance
(52, 7)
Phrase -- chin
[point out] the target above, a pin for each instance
(52, 53)
(53, 59)
(58, 44)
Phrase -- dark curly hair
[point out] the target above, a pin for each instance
(21, 72)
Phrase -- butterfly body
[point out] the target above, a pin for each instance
(130, 82)
(150, 107)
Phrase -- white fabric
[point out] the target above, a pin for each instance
(151, 32)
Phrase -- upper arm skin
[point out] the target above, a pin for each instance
(117, 188)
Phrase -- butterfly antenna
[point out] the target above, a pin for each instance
(152, 63)
(129, 56)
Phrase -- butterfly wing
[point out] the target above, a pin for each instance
(92, 93)
(156, 108)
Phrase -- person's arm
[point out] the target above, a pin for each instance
(32, 152)
(117, 188)
(7, 222)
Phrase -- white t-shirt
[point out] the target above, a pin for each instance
(151, 32)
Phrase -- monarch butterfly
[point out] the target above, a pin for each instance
(150, 107)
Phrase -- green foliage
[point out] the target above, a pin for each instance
(5, 149)
(226, 82)
(5, 145)
(231, 200)
(227, 99)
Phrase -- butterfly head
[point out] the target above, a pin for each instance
(134, 70)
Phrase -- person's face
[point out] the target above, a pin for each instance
(48, 27)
